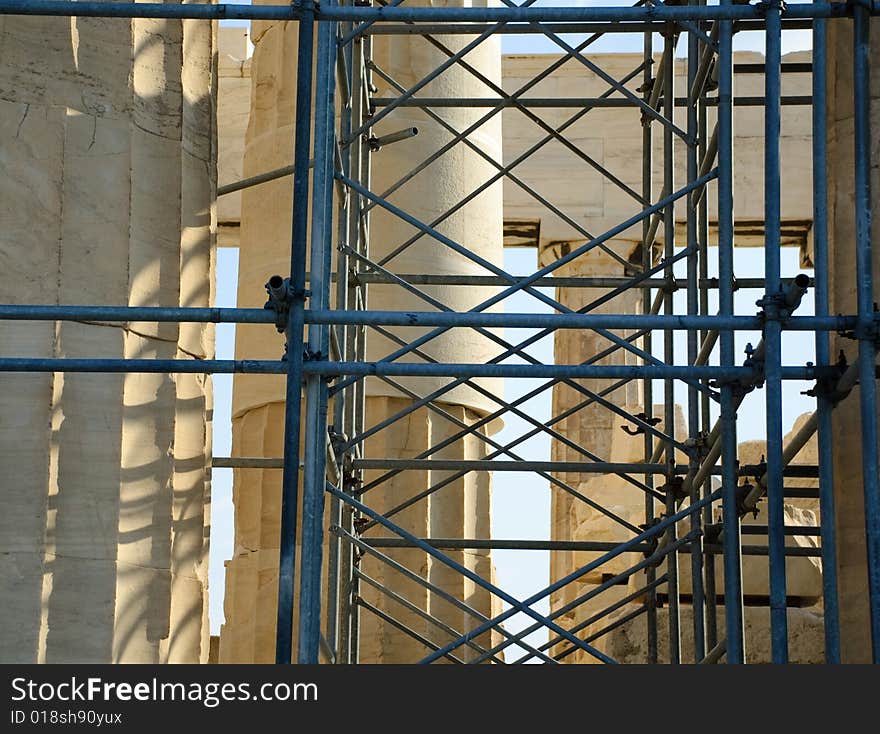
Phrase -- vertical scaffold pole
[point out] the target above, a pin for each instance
(648, 81)
(709, 559)
(294, 346)
(315, 444)
(773, 334)
(668, 345)
(823, 344)
(866, 329)
(730, 516)
(693, 60)
(347, 401)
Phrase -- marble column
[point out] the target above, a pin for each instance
(107, 150)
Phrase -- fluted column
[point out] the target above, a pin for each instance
(107, 148)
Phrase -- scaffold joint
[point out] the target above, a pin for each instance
(742, 493)
(675, 486)
(278, 289)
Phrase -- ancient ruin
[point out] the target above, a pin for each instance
(700, 223)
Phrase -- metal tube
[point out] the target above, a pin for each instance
(649, 85)
(314, 468)
(758, 550)
(395, 369)
(802, 471)
(293, 367)
(669, 42)
(519, 28)
(831, 616)
(773, 304)
(697, 81)
(503, 544)
(693, 405)
(571, 320)
(554, 281)
(715, 654)
(257, 315)
(867, 327)
(378, 143)
(586, 467)
(339, 561)
(585, 103)
(260, 178)
(705, 411)
(411, 14)
(732, 561)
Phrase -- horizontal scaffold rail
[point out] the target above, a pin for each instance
(405, 369)
(659, 322)
(298, 10)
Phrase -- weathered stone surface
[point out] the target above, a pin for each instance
(106, 197)
(612, 137)
(855, 641)
(629, 642)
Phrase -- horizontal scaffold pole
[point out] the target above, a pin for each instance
(401, 369)
(157, 314)
(417, 14)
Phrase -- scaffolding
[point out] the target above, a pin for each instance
(326, 320)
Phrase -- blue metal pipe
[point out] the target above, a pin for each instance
(697, 595)
(679, 322)
(824, 407)
(866, 330)
(773, 334)
(315, 449)
(730, 517)
(14, 312)
(300, 10)
(399, 369)
(648, 87)
(295, 326)
(674, 620)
